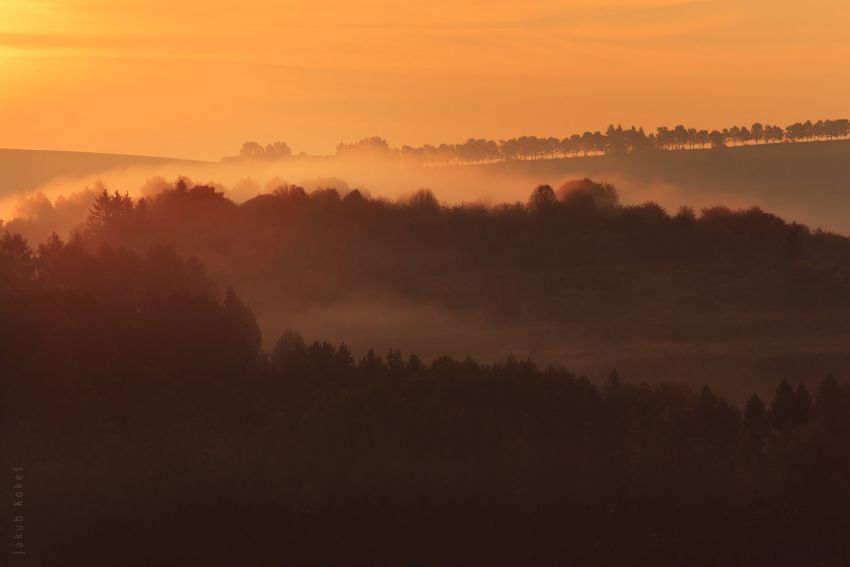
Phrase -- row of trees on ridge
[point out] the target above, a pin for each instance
(615, 140)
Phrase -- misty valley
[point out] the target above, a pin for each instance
(437, 283)
(325, 377)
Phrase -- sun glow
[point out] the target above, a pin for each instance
(195, 79)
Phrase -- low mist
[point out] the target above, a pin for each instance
(798, 191)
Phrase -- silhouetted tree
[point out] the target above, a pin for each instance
(717, 139)
(542, 198)
(252, 149)
(109, 211)
(784, 412)
(756, 423)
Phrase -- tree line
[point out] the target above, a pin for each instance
(139, 396)
(571, 267)
(565, 254)
(614, 141)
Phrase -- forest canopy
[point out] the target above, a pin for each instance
(718, 296)
(130, 382)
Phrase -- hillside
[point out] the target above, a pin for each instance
(27, 169)
(134, 392)
(808, 182)
(731, 298)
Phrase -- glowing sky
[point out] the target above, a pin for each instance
(192, 78)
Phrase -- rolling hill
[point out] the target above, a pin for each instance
(806, 182)
(21, 170)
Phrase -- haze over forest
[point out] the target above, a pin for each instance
(799, 171)
(119, 350)
(425, 283)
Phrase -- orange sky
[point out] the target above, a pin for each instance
(196, 78)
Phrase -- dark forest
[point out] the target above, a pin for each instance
(487, 283)
(735, 299)
(165, 431)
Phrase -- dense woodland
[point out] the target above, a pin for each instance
(614, 141)
(573, 254)
(155, 430)
(733, 299)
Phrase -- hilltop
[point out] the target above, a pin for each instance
(26, 169)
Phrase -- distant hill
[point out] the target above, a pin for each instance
(808, 182)
(26, 169)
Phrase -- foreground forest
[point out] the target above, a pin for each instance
(735, 299)
(154, 429)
